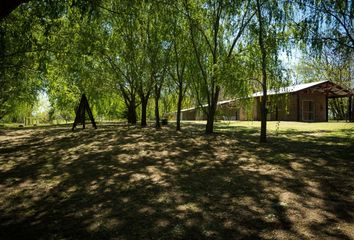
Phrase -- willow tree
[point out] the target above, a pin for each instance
(270, 30)
(326, 23)
(21, 54)
(32, 42)
(123, 57)
(123, 49)
(157, 24)
(181, 61)
(261, 37)
(213, 45)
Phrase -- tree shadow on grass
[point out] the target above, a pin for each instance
(132, 183)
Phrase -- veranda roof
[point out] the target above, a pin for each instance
(327, 87)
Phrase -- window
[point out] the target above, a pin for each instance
(308, 110)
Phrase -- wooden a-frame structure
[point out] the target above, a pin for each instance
(80, 113)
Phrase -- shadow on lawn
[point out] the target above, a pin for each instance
(132, 183)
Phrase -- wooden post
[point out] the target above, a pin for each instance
(83, 118)
(80, 113)
(326, 108)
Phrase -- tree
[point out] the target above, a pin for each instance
(20, 61)
(121, 52)
(326, 22)
(208, 22)
(270, 29)
(49, 7)
(158, 50)
(146, 80)
(263, 137)
(180, 61)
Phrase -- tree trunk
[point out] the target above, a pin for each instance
(179, 107)
(210, 123)
(157, 113)
(263, 137)
(132, 119)
(144, 102)
(211, 112)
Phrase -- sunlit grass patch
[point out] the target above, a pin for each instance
(294, 126)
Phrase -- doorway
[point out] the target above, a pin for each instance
(308, 110)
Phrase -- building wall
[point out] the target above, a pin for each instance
(257, 109)
(291, 113)
(243, 116)
(235, 110)
(188, 115)
(226, 110)
(200, 115)
(285, 107)
(281, 107)
(319, 101)
(193, 114)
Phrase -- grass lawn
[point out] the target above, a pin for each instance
(120, 182)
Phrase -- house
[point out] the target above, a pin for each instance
(305, 102)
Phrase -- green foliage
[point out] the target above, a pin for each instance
(121, 53)
(20, 62)
(325, 23)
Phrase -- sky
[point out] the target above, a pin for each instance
(43, 104)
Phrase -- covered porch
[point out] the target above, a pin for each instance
(334, 91)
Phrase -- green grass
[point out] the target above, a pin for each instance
(298, 126)
(120, 182)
